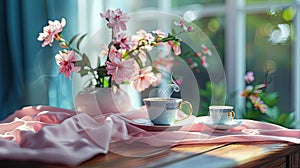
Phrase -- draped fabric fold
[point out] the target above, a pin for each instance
(28, 73)
(61, 136)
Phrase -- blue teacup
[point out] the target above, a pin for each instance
(163, 111)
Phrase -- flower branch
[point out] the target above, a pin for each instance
(127, 56)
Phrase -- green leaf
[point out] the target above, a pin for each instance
(79, 64)
(83, 72)
(86, 60)
(271, 99)
(282, 118)
(289, 14)
(286, 120)
(98, 61)
(73, 38)
(249, 105)
(80, 40)
(273, 113)
(252, 115)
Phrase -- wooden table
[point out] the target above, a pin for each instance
(258, 154)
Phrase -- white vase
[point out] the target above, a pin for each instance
(135, 96)
(97, 101)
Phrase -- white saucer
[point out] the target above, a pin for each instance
(147, 125)
(206, 121)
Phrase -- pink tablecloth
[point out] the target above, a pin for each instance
(54, 135)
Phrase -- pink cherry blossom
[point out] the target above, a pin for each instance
(123, 41)
(249, 77)
(51, 32)
(116, 20)
(159, 35)
(143, 40)
(121, 70)
(181, 24)
(198, 54)
(163, 62)
(190, 28)
(65, 61)
(144, 79)
(143, 57)
(104, 51)
(175, 46)
(203, 62)
(205, 50)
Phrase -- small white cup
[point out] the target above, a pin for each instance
(163, 111)
(221, 114)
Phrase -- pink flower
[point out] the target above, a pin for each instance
(175, 46)
(163, 62)
(51, 31)
(203, 62)
(249, 77)
(144, 79)
(258, 103)
(123, 41)
(143, 57)
(190, 28)
(120, 70)
(263, 108)
(181, 24)
(104, 51)
(198, 54)
(65, 61)
(205, 50)
(248, 90)
(143, 40)
(189, 60)
(159, 35)
(116, 20)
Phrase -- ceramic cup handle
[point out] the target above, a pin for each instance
(231, 113)
(190, 109)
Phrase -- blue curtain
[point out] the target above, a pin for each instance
(28, 72)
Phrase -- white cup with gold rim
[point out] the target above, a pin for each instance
(221, 115)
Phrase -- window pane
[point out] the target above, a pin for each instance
(269, 46)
